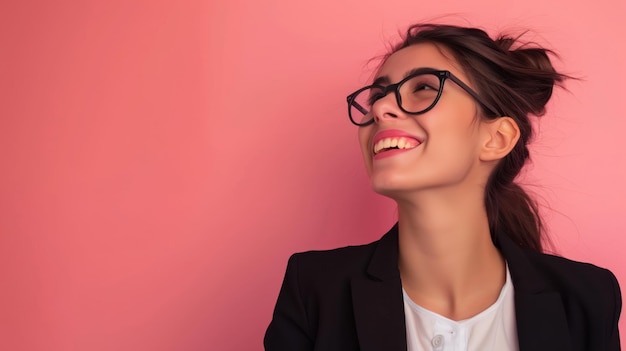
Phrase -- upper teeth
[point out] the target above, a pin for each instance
(400, 143)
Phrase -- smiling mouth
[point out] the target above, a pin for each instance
(397, 143)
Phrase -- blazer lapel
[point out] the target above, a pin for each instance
(541, 319)
(377, 300)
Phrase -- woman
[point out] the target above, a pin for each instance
(444, 130)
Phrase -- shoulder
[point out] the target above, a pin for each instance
(314, 306)
(581, 285)
(339, 262)
(580, 276)
(590, 295)
(535, 272)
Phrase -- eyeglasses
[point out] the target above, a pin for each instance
(416, 94)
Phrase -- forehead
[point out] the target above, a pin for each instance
(419, 56)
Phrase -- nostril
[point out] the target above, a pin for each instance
(387, 115)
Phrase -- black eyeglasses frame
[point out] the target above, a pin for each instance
(441, 74)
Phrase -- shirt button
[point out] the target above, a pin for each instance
(437, 342)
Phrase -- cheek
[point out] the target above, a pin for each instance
(364, 137)
(455, 124)
(452, 135)
(456, 146)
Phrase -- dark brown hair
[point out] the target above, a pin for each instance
(517, 79)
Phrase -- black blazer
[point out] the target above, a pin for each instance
(351, 299)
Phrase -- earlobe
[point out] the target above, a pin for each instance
(501, 135)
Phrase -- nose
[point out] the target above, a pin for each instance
(386, 108)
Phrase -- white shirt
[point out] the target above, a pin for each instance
(492, 329)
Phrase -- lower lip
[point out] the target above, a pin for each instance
(391, 153)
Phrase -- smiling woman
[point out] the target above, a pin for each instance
(464, 268)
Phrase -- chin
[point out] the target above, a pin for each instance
(397, 185)
(390, 185)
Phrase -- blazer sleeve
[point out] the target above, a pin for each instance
(613, 332)
(289, 327)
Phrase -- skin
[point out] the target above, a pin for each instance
(447, 260)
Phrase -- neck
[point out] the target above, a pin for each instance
(447, 260)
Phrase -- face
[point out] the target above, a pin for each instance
(439, 149)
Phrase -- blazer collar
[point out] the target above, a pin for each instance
(539, 312)
(377, 299)
(379, 307)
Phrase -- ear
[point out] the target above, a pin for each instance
(500, 137)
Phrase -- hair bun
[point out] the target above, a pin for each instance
(535, 73)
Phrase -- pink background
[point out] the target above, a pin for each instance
(162, 159)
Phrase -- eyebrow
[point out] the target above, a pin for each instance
(384, 80)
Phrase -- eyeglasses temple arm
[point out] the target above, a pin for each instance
(359, 107)
(474, 95)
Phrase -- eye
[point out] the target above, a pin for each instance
(374, 97)
(422, 87)
(422, 84)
